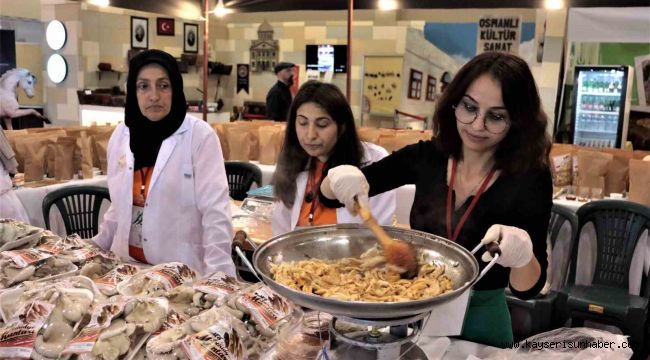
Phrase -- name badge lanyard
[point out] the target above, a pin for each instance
(454, 166)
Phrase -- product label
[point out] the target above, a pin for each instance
(173, 319)
(102, 315)
(26, 257)
(18, 336)
(220, 284)
(265, 306)
(218, 342)
(171, 275)
(109, 281)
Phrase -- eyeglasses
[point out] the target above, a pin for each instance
(494, 123)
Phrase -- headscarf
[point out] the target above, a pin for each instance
(147, 135)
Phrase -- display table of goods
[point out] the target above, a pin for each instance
(64, 298)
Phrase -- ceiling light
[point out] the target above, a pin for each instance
(387, 5)
(57, 68)
(553, 4)
(220, 10)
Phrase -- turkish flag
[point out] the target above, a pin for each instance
(165, 26)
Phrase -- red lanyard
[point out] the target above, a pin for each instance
(450, 204)
(313, 189)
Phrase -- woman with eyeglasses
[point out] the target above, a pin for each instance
(483, 178)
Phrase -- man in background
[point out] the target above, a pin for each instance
(278, 99)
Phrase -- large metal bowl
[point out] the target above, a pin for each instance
(351, 240)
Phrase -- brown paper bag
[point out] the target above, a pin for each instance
(64, 147)
(398, 141)
(640, 154)
(561, 159)
(33, 151)
(242, 143)
(639, 180)
(221, 134)
(12, 135)
(271, 139)
(85, 146)
(369, 134)
(593, 166)
(101, 147)
(95, 133)
(617, 171)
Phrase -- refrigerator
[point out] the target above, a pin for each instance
(601, 105)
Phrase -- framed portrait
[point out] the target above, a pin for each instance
(139, 33)
(190, 38)
(642, 71)
(165, 26)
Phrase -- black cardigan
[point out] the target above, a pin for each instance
(523, 201)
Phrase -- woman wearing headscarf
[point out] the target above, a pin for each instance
(166, 176)
(10, 205)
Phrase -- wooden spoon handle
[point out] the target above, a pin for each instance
(371, 223)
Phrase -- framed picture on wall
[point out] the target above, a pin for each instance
(139, 33)
(165, 26)
(642, 70)
(190, 38)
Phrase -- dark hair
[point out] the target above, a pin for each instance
(526, 146)
(293, 158)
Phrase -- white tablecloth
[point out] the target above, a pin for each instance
(32, 199)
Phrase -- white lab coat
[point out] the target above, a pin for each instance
(187, 213)
(10, 205)
(382, 206)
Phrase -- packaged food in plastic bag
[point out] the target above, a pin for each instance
(108, 283)
(266, 315)
(118, 328)
(218, 286)
(167, 345)
(158, 280)
(304, 342)
(17, 337)
(17, 266)
(16, 235)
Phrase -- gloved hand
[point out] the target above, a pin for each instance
(343, 183)
(516, 246)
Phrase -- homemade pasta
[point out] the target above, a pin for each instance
(367, 278)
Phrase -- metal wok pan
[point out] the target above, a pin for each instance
(351, 240)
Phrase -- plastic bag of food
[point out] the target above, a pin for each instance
(306, 340)
(218, 286)
(219, 341)
(108, 283)
(119, 327)
(265, 314)
(17, 266)
(211, 291)
(16, 234)
(157, 280)
(17, 337)
(168, 344)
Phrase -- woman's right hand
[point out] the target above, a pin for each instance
(344, 183)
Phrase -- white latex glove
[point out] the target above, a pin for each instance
(343, 183)
(515, 244)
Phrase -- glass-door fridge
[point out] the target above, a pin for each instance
(601, 105)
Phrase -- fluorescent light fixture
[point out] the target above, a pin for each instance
(386, 5)
(220, 10)
(553, 4)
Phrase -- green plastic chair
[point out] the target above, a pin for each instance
(618, 225)
(79, 206)
(241, 175)
(533, 316)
